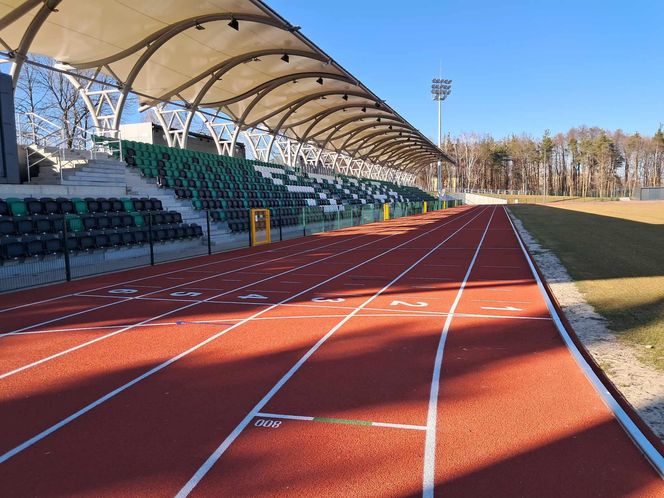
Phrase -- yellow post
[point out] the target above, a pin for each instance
(260, 220)
(424, 207)
(386, 211)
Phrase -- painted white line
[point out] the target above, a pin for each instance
(429, 474)
(286, 417)
(50, 430)
(497, 301)
(505, 308)
(148, 320)
(158, 275)
(400, 426)
(84, 293)
(640, 440)
(221, 449)
(342, 421)
(430, 278)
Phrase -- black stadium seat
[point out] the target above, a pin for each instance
(7, 227)
(11, 248)
(50, 205)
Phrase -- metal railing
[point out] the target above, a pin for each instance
(45, 141)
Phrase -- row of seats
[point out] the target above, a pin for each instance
(209, 181)
(39, 224)
(13, 248)
(46, 205)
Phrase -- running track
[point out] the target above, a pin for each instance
(404, 358)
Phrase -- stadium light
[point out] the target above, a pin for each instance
(345, 97)
(319, 81)
(440, 90)
(285, 58)
(199, 26)
(234, 24)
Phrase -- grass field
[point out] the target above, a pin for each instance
(615, 253)
(541, 199)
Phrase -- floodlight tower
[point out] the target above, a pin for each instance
(440, 90)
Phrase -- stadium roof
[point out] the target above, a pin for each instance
(234, 56)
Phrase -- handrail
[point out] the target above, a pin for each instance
(35, 131)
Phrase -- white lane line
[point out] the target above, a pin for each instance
(158, 275)
(221, 449)
(498, 301)
(148, 320)
(429, 474)
(388, 313)
(504, 308)
(342, 421)
(286, 417)
(53, 428)
(654, 457)
(84, 293)
(400, 426)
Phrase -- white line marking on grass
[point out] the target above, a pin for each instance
(429, 474)
(33, 440)
(221, 449)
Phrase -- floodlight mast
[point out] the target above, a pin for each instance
(440, 90)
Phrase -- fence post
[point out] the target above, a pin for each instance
(150, 238)
(65, 240)
(209, 237)
(281, 235)
(304, 222)
(250, 239)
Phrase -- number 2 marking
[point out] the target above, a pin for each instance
(418, 304)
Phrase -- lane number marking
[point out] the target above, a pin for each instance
(418, 304)
(268, 424)
(328, 300)
(123, 291)
(185, 294)
(253, 296)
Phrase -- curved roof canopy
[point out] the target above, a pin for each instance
(234, 56)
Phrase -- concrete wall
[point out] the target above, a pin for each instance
(475, 199)
(27, 190)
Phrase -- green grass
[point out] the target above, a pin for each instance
(615, 253)
(541, 199)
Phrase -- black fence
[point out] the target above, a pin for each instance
(75, 251)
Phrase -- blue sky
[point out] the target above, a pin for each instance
(517, 65)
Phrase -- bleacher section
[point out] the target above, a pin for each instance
(33, 227)
(228, 187)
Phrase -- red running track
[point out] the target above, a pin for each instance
(411, 357)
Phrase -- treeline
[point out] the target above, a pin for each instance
(582, 162)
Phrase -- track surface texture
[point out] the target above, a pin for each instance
(411, 357)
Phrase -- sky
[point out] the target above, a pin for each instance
(517, 66)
